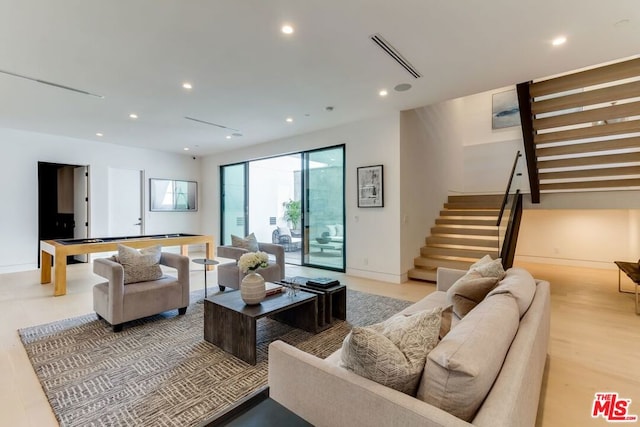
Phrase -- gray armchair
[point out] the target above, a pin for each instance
(230, 275)
(117, 303)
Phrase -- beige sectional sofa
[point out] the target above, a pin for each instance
(487, 371)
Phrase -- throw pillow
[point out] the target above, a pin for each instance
(142, 265)
(249, 243)
(393, 353)
(332, 230)
(484, 260)
(445, 321)
(339, 230)
(468, 291)
(489, 269)
(284, 231)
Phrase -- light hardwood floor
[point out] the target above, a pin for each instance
(594, 345)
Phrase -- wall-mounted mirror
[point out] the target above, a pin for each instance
(173, 195)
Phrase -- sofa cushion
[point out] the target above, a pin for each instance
(393, 352)
(469, 291)
(249, 243)
(142, 265)
(462, 368)
(339, 230)
(521, 285)
(332, 230)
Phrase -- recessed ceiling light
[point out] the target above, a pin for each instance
(289, 119)
(186, 148)
(287, 29)
(133, 116)
(228, 136)
(559, 40)
(99, 134)
(187, 85)
(383, 92)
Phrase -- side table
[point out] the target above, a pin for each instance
(205, 262)
(632, 270)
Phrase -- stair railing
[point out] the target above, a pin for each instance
(508, 222)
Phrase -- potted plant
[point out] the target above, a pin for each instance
(292, 212)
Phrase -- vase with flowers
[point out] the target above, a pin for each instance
(252, 287)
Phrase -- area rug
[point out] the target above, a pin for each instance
(159, 371)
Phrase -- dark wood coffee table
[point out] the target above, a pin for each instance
(332, 301)
(231, 324)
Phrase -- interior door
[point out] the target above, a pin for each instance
(125, 202)
(81, 206)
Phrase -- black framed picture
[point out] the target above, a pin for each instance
(370, 190)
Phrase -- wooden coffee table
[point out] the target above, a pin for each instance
(231, 324)
(332, 301)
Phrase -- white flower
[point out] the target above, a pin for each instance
(252, 261)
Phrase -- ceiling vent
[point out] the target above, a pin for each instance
(211, 124)
(393, 53)
(44, 82)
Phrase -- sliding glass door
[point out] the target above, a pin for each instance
(233, 202)
(296, 200)
(325, 236)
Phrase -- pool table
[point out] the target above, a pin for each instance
(59, 249)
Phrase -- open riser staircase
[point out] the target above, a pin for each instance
(583, 130)
(464, 232)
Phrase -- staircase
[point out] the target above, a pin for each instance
(464, 232)
(582, 131)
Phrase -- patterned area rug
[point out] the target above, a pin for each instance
(159, 371)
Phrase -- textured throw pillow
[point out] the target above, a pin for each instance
(484, 260)
(393, 353)
(468, 291)
(249, 243)
(140, 266)
(492, 268)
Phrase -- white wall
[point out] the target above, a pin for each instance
(431, 165)
(373, 245)
(21, 151)
(580, 237)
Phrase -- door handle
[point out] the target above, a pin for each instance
(138, 223)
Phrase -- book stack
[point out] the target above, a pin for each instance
(322, 282)
(272, 288)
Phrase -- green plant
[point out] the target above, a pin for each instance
(292, 212)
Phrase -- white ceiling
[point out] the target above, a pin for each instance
(249, 76)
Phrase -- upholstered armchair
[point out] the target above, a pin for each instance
(229, 275)
(118, 303)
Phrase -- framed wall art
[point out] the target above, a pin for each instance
(505, 111)
(170, 195)
(370, 190)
